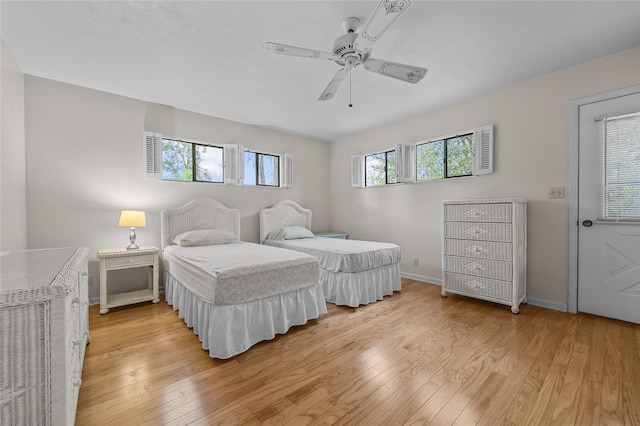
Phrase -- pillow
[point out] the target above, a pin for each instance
(276, 234)
(290, 233)
(204, 237)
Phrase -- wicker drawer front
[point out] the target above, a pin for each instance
(478, 212)
(479, 267)
(479, 249)
(494, 289)
(72, 324)
(501, 232)
(24, 364)
(118, 262)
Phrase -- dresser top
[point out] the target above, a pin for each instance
(30, 269)
(486, 201)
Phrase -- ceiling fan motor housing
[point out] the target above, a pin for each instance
(343, 48)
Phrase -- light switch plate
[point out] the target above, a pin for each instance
(556, 192)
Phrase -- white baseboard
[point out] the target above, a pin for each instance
(562, 307)
(430, 280)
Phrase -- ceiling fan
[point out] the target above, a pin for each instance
(353, 49)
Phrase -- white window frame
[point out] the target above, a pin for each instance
(358, 168)
(152, 155)
(602, 214)
(482, 154)
(232, 155)
(285, 169)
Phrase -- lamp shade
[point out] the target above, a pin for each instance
(132, 218)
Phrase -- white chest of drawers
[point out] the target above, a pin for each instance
(43, 334)
(484, 248)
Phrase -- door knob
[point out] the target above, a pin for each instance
(587, 223)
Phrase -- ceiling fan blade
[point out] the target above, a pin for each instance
(383, 16)
(333, 85)
(283, 49)
(408, 73)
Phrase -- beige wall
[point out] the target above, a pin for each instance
(531, 136)
(84, 165)
(13, 204)
(84, 156)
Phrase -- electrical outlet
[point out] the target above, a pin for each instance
(416, 262)
(556, 192)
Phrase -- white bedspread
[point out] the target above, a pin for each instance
(337, 255)
(240, 272)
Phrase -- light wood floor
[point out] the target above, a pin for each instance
(413, 358)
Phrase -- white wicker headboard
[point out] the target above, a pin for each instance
(284, 213)
(201, 213)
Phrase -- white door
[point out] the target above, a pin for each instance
(609, 208)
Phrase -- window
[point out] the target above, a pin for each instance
(380, 168)
(465, 154)
(445, 158)
(261, 169)
(191, 161)
(188, 161)
(620, 168)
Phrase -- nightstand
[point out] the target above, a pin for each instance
(338, 235)
(120, 258)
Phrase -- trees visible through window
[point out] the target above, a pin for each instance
(445, 158)
(380, 168)
(261, 169)
(190, 161)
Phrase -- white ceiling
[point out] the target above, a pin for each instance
(207, 56)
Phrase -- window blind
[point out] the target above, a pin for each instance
(619, 196)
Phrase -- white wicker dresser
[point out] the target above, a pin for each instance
(43, 334)
(484, 248)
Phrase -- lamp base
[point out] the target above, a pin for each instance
(132, 238)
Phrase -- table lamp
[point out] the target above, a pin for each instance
(132, 218)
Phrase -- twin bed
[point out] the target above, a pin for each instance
(352, 272)
(235, 294)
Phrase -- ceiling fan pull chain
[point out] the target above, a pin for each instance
(350, 104)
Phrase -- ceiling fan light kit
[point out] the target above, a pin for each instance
(352, 49)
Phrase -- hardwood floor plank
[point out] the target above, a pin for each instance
(630, 375)
(566, 409)
(589, 403)
(412, 358)
(481, 400)
(611, 401)
(545, 404)
(547, 341)
(595, 361)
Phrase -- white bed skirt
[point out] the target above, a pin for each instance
(227, 330)
(360, 288)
